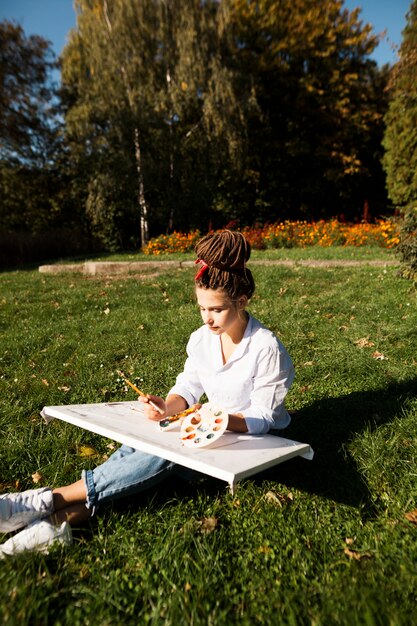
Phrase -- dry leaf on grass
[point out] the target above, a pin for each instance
(379, 356)
(87, 451)
(264, 549)
(208, 524)
(364, 343)
(10, 486)
(356, 555)
(272, 498)
(37, 477)
(278, 499)
(411, 516)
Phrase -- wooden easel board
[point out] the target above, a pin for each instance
(234, 457)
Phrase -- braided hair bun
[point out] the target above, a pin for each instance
(224, 255)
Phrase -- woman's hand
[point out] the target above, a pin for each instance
(150, 404)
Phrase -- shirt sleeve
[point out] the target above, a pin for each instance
(188, 384)
(273, 378)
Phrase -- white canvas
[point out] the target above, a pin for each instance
(233, 457)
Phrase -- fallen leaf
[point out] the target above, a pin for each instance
(9, 486)
(379, 356)
(187, 586)
(272, 498)
(64, 388)
(87, 451)
(37, 477)
(364, 343)
(264, 549)
(356, 555)
(411, 516)
(45, 382)
(208, 524)
(278, 499)
(106, 311)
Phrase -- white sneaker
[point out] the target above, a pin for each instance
(20, 509)
(39, 536)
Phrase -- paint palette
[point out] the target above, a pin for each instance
(204, 427)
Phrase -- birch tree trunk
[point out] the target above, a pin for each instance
(143, 207)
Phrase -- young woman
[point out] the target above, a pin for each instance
(237, 362)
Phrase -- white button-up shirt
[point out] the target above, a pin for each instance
(253, 382)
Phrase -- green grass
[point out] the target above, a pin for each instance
(361, 253)
(320, 542)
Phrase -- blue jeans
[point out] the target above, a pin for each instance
(127, 472)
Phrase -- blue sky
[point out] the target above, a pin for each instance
(54, 18)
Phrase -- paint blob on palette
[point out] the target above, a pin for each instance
(204, 427)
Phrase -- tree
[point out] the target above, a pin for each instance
(29, 132)
(26, 132)
(315, 143)
(145, 87)
(400, 141)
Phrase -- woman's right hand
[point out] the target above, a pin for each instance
(151, 404)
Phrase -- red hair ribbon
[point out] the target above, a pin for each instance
(202, 269)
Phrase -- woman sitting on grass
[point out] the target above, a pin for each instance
(238, 363)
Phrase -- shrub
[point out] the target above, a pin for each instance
(407, 247)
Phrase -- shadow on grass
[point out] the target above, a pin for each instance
(328, 425)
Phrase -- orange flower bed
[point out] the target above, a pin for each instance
(291, 234)
(175, 242)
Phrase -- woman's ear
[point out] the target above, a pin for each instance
(242, 302)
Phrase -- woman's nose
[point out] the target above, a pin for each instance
(207, 318)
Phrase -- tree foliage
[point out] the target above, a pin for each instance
(400, 141)
(29, 133)
(184, 114)
(321, 104)
(146, 86)
(26, 132)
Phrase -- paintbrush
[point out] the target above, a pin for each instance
(139, 392)
(168, 422)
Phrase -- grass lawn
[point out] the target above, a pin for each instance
(309, 542)
(360, 253)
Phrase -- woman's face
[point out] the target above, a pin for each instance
(219, 312)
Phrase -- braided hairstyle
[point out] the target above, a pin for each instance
(225, 254)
